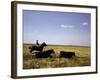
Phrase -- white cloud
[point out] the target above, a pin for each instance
(84, 23)
(66, 26)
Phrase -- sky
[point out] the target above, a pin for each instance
(57, 28)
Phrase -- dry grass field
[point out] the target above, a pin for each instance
(82, 57)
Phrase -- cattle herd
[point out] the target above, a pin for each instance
(49, 53)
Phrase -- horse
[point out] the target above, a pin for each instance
(45, 54)
(37, 48)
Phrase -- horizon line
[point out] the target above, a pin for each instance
(59, 44)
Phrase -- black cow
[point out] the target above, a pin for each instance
(44, 54)
(67, 54)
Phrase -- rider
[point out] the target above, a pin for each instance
(37, 44)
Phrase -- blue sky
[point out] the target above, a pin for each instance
(58, 28)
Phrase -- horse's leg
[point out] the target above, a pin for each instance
(41, 48)
(50, 56)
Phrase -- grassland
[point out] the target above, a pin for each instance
(82, 57)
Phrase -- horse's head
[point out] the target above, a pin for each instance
(43, 44)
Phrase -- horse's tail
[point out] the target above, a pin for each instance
(31, 51)
(30, 47)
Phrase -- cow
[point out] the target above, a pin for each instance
(64, 54)
(45, 54)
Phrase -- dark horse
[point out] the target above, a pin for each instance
(37, 48)
(45, 54)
